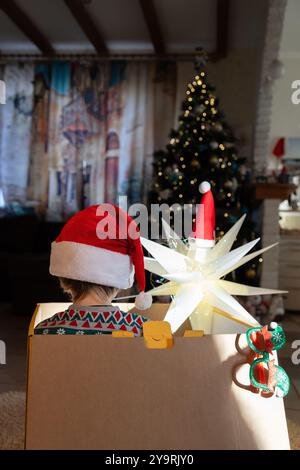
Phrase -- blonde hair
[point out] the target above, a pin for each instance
(79, 289)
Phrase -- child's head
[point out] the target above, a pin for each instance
(80, 290)
(97, 253)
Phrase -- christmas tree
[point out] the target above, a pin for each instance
(203, 148)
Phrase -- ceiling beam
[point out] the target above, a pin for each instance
(152, 22)
(222, 28)
(87, 25)
(26, 25)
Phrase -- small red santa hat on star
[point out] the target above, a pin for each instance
(204, 226)
(101, 245)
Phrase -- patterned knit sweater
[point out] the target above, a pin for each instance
(92, 320)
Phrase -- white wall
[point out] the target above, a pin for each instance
(286, 115)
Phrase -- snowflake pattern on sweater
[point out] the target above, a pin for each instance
(79, 320)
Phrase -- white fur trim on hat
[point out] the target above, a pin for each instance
(204, 187)
(91, 264)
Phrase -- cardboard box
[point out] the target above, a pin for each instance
(101, 392)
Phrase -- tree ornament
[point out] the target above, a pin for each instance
(214, 161)
(195, 164)
(218, 126)
(250, 273)
(214, 145)
(228, 184)
(165, 194)
(200, 108)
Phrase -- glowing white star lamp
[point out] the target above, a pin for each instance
(195, 272)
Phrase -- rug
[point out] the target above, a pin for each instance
(12, 419)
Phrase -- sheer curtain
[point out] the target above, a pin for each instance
(15, 130)
(148, 115)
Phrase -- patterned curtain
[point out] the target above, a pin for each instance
(15, 131)
(87, 132)
(38, 164)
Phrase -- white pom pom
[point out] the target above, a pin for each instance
(143, 300)
(273, 325)
(204, 187)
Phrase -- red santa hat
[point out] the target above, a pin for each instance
(101, 244)
(204, 226)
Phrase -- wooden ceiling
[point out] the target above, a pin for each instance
(39, 21)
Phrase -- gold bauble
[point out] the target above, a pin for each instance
(250, 273)
(195, 163)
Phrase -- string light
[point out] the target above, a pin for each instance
(222, 147)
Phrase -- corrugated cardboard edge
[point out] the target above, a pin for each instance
(30, 334)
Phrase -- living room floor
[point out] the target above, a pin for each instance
(13, 331)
